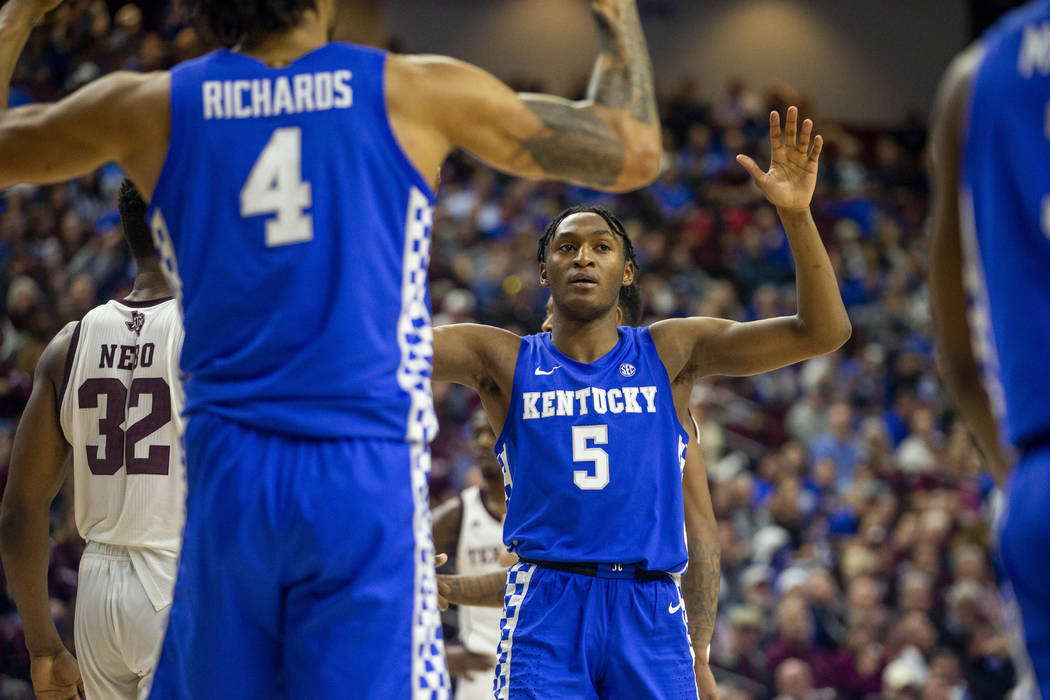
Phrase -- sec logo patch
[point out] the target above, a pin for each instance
(627, 370)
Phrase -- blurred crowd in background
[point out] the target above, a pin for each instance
(854, 521)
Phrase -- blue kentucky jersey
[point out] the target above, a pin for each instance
(592, 456)
(1005, 219)
(297, 234)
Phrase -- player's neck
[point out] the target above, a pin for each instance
(495, 501)
(279, 49)
(585, 341)
(150, 284)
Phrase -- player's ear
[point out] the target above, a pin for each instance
(543, 275)
(628, 274)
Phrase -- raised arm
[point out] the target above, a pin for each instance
(704, 346)
(609, 141)
(36, 473)
(954, 355)
(479, 357)
(122, 117)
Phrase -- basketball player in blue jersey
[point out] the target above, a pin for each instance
(700, 583)
(591, 444)
(290, 182)
(989, 285)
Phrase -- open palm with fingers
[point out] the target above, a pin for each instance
(792, 174)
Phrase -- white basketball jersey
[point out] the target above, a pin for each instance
(121, 412)
(480, 546)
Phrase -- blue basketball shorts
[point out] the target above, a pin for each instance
(306, 571)
(1024, 545)
(568, 635)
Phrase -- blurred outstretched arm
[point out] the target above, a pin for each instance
(609, 141)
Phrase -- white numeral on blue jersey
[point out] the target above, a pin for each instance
(583, 452)
(275, 186)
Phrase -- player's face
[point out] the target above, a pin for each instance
(585, 267)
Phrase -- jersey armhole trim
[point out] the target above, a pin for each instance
(71, 354)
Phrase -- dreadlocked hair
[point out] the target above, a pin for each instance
(133, 219)
(228, 22)
(610, 219)
(631, 305)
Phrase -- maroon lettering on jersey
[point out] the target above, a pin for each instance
(108, 356)
(129, 357)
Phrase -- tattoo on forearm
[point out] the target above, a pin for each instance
(575, 144)
(623, 78)
(484, 590)
(700, 590)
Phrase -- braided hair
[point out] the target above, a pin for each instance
(610, 219)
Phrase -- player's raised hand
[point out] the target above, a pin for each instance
(792, 174)
(56, 676)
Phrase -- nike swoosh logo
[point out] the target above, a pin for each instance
(542, 373)
(675, 608)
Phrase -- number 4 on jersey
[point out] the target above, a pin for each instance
(275, 186)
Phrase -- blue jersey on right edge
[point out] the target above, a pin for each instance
(592, 456)
(1005, 220)
(297, 234)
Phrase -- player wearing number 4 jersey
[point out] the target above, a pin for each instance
(106, 391)
(290, 185)
(591, 443)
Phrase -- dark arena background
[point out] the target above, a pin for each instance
(854, 517)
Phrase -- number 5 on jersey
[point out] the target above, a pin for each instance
(275, 186)
(582, 451)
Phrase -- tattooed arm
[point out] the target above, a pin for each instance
(701, 581)
(609, 141)
(484, 590)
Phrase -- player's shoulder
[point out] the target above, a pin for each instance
(427, 78)
(125, 87)
(53, 360)
(498, 343)
(953, 95)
